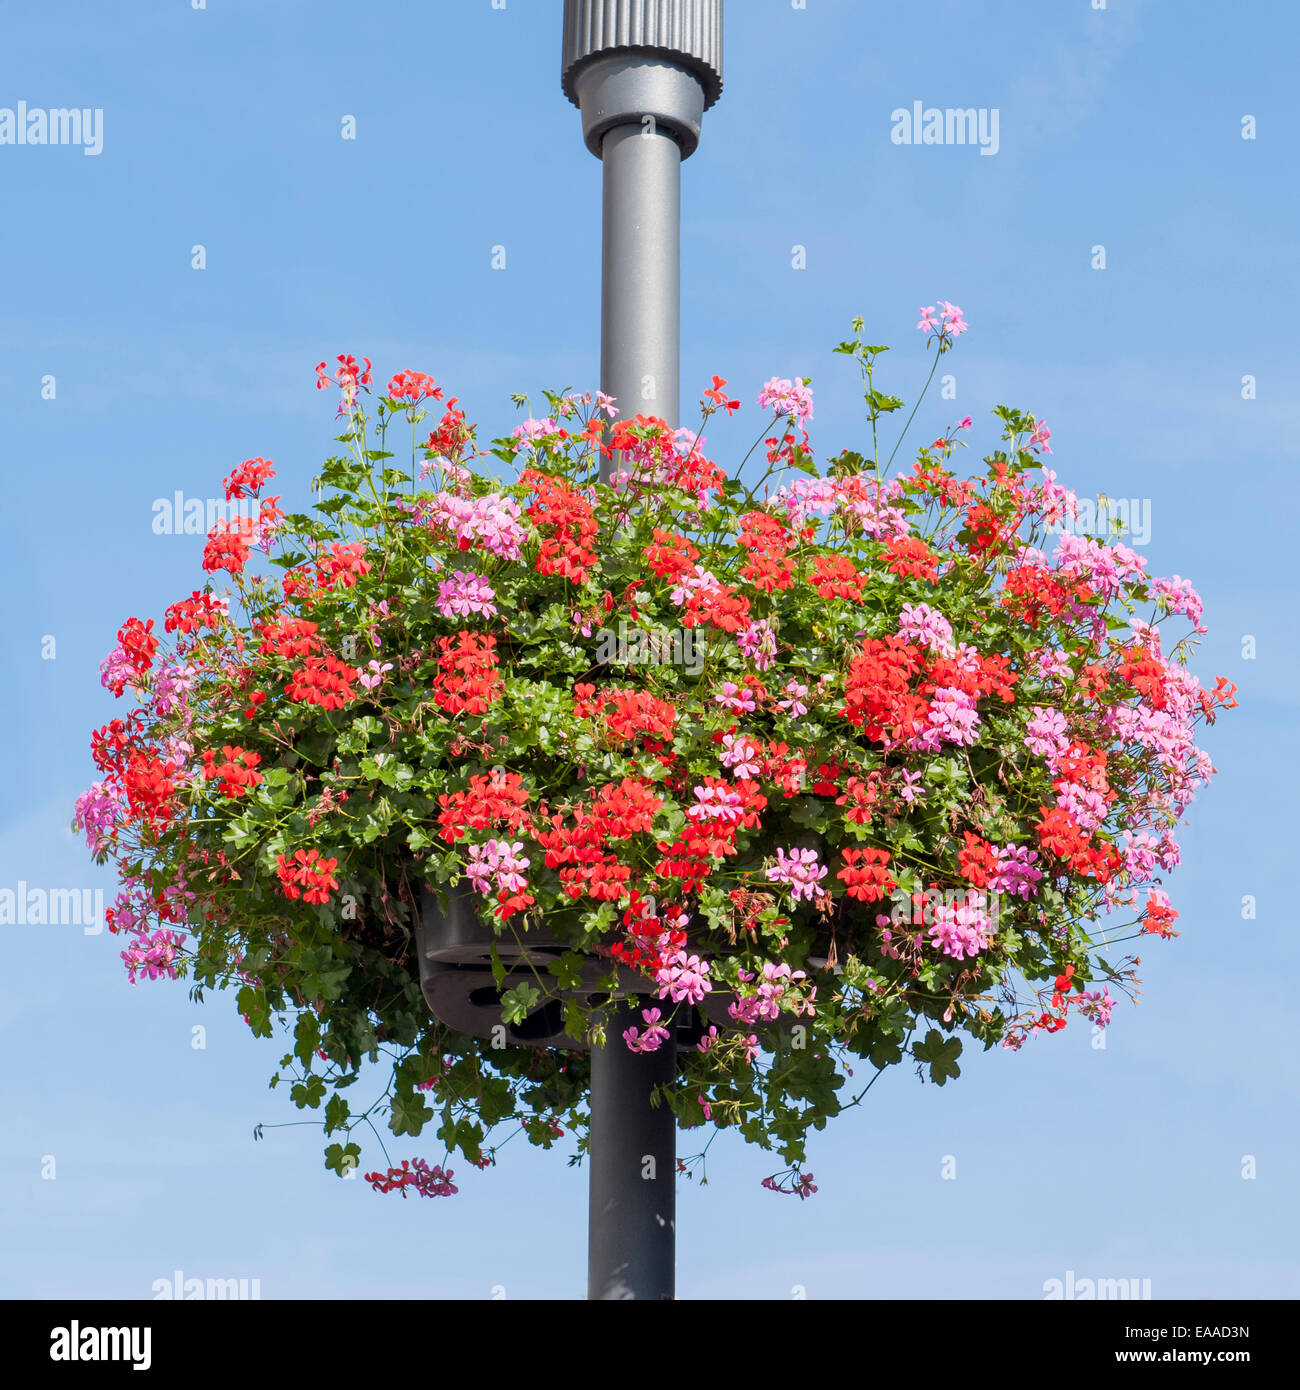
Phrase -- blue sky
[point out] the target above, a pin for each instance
(1119, 127)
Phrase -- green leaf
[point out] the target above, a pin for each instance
(410, 1113)
(575, 1021)
(356, 738)
(940, 1055)
(386, 768)
(568, 970)
(308, 1094)
(343, 1158)
(518, 1003)
(885, 1052)
(336, 1114)
(323, 974)
(307, 1035)
(253, 1006)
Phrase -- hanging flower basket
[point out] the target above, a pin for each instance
(832, 765)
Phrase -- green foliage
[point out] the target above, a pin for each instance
(939, 1055)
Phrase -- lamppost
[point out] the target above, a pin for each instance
(642, 72)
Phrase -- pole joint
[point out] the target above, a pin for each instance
(652, 63)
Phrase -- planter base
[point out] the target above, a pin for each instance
(455, 954)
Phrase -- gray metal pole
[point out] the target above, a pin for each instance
(640, 297)
(642, 72)
(631, 1245)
